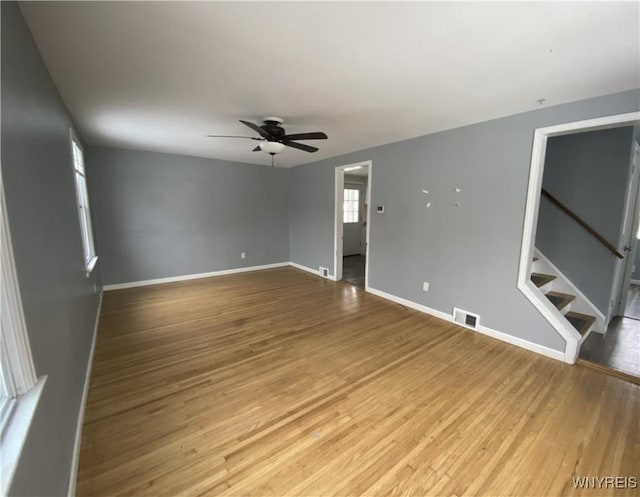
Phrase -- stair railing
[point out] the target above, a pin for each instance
(610, 247)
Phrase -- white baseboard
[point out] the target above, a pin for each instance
(310, 270)
(524, 344)
(73, 477)
(172, 279)
(504, 337)
(635, 282)
(410, 304)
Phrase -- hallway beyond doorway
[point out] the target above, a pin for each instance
(353, 269)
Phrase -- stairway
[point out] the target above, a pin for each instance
(583, 323)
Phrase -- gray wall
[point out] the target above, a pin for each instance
(468, 254)
(588, 172)
(160, 215)
(60, 302)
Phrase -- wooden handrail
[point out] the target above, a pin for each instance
(583, 223)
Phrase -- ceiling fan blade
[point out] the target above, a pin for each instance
(300, 146)
(317, 135)
(233, 136)
(257, 129)
(257, 149)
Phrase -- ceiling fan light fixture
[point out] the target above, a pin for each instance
(271, 147)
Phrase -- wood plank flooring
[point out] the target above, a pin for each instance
(278, 382)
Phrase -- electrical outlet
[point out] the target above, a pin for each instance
(425, 286)
(243, 255)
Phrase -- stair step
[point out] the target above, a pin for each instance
(540, 279)
(581, 322)
(560, 300)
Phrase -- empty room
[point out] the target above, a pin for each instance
(320, 248)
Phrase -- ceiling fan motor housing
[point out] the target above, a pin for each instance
(272, 125)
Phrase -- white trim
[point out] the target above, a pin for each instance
(411, 304)
(635, 282)
(338, 225)
(75, 458)
(82, 204)
(627, 239)
(90, 265)
(524, 344)
(499, 335)
(368, 229)
(172, 279)
(18, 371)
(16, 431)
(337, 218)
(555, 318)
(532, 205)
(315, 272)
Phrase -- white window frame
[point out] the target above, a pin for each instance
(20, 389)
(82, 202)
(347, 216)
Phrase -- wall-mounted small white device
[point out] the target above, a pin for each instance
(427, 205)
(425, 191)
(380, 209)
(458, 190)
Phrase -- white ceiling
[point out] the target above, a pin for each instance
(161, 75)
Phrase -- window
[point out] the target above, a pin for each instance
(82, 195)
(351, 207)
(19, 387)
(17, 374)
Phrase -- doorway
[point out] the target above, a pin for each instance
(351, 233)
(626, 298)
(528, 256)
(618, 351)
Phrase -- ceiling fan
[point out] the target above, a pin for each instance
(273, 137)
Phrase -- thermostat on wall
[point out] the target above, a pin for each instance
(380, 209)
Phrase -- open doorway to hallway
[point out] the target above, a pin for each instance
(619, 348)
(352, 222)
(577, 227)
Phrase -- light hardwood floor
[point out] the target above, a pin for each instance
(279, 383)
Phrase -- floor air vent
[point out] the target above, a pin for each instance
(465, 318)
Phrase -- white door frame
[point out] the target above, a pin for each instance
(338, 218)
(622, 279)
(532, 207)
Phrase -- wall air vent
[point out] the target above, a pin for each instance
(466, 318)
(324, 271)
